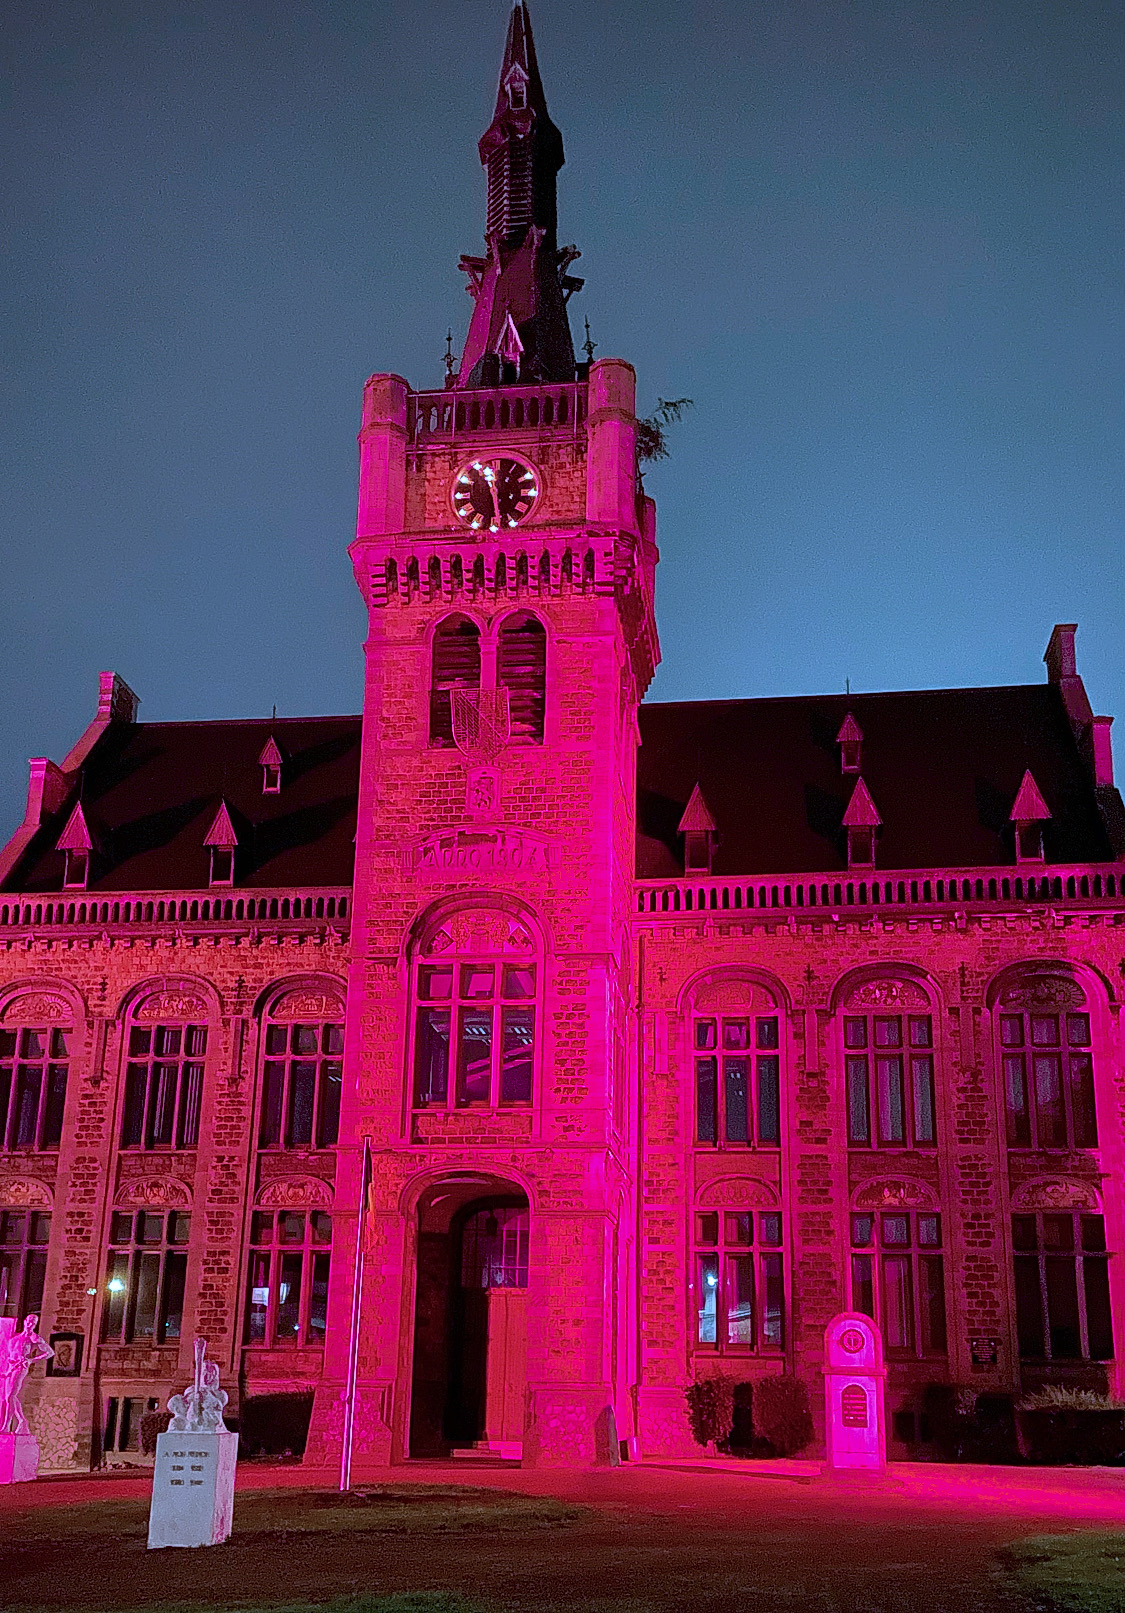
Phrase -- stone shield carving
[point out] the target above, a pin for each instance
(155, 1192)
(739, 1193)
(895, 1193)
(25, 1193)
(173, 1003)
(36, 1008)
(1043, 992)
(894, 996)
(296, 1193)
(308, 1002)
(1055, 1193)
(733, 996)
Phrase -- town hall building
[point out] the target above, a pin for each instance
(498, 1062)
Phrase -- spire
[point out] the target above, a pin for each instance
(522, 281)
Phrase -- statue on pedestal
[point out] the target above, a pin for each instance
(200, 1408)
(19, 1352)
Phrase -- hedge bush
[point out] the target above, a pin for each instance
(152, 1424)
(710, 1409)
(275, 1425)
(782, 1415)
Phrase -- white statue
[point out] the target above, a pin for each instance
(19, 1352)
(199, 1410)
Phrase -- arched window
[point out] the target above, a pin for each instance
(163, 1082)
(24, 1236)
(145, 1277)
(521, 668)
(739, 1286)
(1045, 1054)
(1062, 1286)
(477, 987)
(34, 1061)
(455, 665)
(888, 1039)
(287, 1288)
(898, 1277)
(302, 1070)
(736, 1050)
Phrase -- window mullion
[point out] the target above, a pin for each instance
(274, 1270)
(306, 1291)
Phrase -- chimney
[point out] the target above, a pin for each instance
(1101, 751)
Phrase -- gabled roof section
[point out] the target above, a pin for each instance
(861, 811)
(944, 766)
(271, 756)
(221, 833)
(697, 819)
(152, 792)
(1029, 806)
(76, 836)
(850, 732)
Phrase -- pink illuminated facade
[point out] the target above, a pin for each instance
(497, 1062)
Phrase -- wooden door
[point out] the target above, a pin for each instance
(507, 1349)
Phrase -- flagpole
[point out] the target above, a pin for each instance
(353, 1340)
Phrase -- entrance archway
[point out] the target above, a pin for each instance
(467, 1384)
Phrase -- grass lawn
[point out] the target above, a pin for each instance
(1076, 1573)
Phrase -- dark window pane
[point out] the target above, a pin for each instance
(738, 1228)
(320, 1226)
(517, 1055)
(1015, 1086)
(863, 1286)
(172, 1304)
(261, 1226)
(863, 1231)
(474, 1056)
(5, 1096)
(318, 1299)
(859, 1124)
(1062, 1308)
(769, 1100)
(736, 1035)
(929, 1232)
(179, 1226)
(1082, 1101)
(120, 1227)
(707, 1228)
(289, 1299)
(735, 1099)
(898, 1302)
(150, 1227)
(1023, 1232)
(706, 1100)
(302, 1088)
(306, 1041)
(1047, 1075)
(7, 1044)
(257, 1298)
(117, 1292)
(896, 1231)
(1058, 1232)
(39, 1226)
(1095, 1275)
(1044, 1030)
(1093, 1233)
(435, 983)
(273, 1081)
(705, 1035)
(768, 1033)
(769, 1229)
(855, 1033)
(167, 1042)
(1078, 1030)
(29, 1081)
(707, 1299)
(888, 1078)
(191, 1097)
(921, 1034)
(1011, 1030)
(54, 1107)
(519, 982)
(35, 1275)
(922, 1078)
(277, 1040)
(1029, 1308)
(431, 1057)
(146, 1282)
(291, 1226)
(739, 1299)
(140, 1040)
(888, 1032)
(161, 1105)
(334, 1039)
(195, 1041)
(933, 1304)
(773, 1302)
(477, 981)
(328, 1122)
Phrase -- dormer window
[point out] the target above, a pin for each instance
(222, 842)
(862, 821)
(698, 829)
(77, 870)
(270, 761)
(76, 843)
(850, 741)
(1028, 815)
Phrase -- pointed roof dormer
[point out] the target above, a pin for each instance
(850, 741)
(699, 831)
(862, 822)
(1029, 813)
(222, 842)
(522, 279)
(271, 762)
(77, 842)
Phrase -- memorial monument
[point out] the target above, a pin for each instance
(854, 1379)
(193, 1480)
(19, 1350)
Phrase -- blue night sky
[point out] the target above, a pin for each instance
(879, 244)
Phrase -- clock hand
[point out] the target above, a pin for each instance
(493, 486)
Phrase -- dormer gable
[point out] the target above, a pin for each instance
(850, 741)
(271, 762)
(862, 822)
(699, 830)
(1029, 813)
(77, 843)
(222, 842)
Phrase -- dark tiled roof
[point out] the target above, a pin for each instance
(943, 767)
(150, 792)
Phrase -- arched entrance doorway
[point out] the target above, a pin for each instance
(467, 1385)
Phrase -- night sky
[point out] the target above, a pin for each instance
(879, 245)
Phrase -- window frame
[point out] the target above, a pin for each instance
(762, 1048)
(144, 1264)
(314, 1255)
(1083, 1256)
(755, 1252)
(919, 1258)
(863, 1080)
(1025, 1119)
(50, 1101)
(187, 1105)
(324, 1060)
(25, 1256)
(503, 1008)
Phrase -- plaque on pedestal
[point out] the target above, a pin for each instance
(193, 1480)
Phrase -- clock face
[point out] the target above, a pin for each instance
(491, 495)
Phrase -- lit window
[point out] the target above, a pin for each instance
(24, 1236)
(33, 1072)
(474, 1034)
(163, 1086)
(494, 1249)
(301, 1085)
(287, 1279)
(1048, 1080)
(738, 1080)
(739, 1286)
(145, 1274)
(898, 1279)
(889, 1073)
(1062, 1287)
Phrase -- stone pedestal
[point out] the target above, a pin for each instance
(192, 1489)
(854, 1377)
(19, 1458)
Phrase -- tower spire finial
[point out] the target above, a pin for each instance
(523, 276)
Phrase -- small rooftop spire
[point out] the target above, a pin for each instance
(221, 833)
(1029, 805)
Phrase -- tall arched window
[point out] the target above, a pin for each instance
(888, 1036)
(302, 1070)
(521, 668)
(164, 1074)
(1047, 1062)
(736, 1052)
(455, 665)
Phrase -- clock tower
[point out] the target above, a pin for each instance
(485, 1212)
